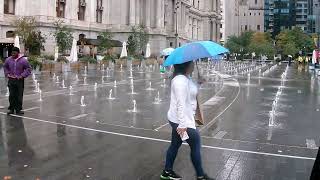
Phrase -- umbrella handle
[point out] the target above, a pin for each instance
(198, 70)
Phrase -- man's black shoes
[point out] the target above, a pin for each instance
(10, 112)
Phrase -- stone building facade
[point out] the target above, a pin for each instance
(170, 23)
(240, 16)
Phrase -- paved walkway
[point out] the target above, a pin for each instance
(59, 139)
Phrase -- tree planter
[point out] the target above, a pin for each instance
(121, 61)
(75, 66)
(151, 61)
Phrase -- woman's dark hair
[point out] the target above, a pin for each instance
(180, 69)
(15, 49)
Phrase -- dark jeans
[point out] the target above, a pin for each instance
(16, 88)
(315, 174)
(194, 143)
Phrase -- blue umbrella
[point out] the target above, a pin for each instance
(193, 51)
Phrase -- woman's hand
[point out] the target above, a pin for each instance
(181, 131)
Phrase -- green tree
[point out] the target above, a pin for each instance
(104, 41)
(296, 39)
(261, 44)
(290, 49)
(35, 43)
(63, 36)
(32, 38)
(240, 45)
(138, 40)
(132, 45)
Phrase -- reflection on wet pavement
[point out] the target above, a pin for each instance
(59, 139)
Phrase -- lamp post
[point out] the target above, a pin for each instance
(176, 16)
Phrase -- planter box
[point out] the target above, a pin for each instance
(52, 67)
(152, 61)
(121, 61)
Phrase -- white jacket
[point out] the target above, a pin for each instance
(183, 102)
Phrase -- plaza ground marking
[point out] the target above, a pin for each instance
(209, 123)
(162, 140)
(29, 109)
(79, 116)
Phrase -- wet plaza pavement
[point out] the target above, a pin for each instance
(57, 138)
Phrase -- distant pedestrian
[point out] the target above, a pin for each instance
(183, 104)
(16, 69)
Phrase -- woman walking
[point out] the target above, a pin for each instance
(181, 113)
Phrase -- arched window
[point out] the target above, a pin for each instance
(9, 6)
(10, 34)
(82, 10)
(99, 11)
(60, 8)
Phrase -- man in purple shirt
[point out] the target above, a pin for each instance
(16, 68)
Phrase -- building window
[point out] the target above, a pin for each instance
(99, 11)
(221, 35)
(244, 14)
(220, 25)
(171, 44)
(250, 14)
(61, 7)
(256, 1)
(246, 27)
(217, 5)
(258, 27)
(9, 34)
(9, 6)
(82, 10)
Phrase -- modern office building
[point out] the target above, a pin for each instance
(279, 15)
(314, 16)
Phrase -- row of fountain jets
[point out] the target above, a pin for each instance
(273, 112)
(110, 96)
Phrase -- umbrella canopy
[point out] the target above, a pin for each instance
(124, 50)
(74, 53)
(166, 52)
(148, 51)
(17, 42)
(56, 53)
(314, 57)
(193, 51)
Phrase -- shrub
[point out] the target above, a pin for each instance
(62, 59)
(34, 61)
(88, 59)
(48, 57)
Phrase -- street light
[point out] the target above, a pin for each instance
(176, 14)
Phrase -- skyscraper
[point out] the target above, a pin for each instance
(279, 15)
(313, 16)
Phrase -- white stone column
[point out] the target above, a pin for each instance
(91, 10)
(138, 12)
(1, 6)
(160, 13)
(132, 12)
(148, 15)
